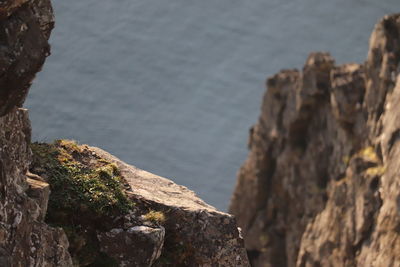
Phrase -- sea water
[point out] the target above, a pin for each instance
(173, 86)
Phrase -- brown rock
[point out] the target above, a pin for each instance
(25, 240)
(116, 212)
(319, 186)
(40, 191)
(196, 234)
(25, 27)
(136, 246)
(7, 7)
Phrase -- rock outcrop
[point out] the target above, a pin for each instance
(25, 27)
(113, 212)
(320, 186)
(25, 240)
(196, 234)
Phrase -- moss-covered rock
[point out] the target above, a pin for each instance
(118, 215)
(87, 194)
(79, 181)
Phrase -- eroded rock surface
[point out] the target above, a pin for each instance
(97, 210)
(320, 185)
(114, 212)
(25, 27)
(25, 240)
(196, 233)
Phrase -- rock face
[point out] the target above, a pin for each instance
(103, 212)
(196, 234)
(80, 206)
(320, 185)
(114, 212)
(25, 27)
(25, 240)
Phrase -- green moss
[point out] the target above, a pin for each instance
(375, 171)
(75, 185)
(155, 217)
(86, 195)
(369, 154)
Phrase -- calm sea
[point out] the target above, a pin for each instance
(173, 86)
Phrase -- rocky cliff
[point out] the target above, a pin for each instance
(321, 185)
(25, 240)
(117, 215)
(65, 204)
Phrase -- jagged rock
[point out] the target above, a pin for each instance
(25, 27)
(319, 187)
(25, 240)
(138, 219)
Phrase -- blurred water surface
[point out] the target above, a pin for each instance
(173, 86)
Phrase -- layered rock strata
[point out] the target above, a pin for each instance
(320, 185)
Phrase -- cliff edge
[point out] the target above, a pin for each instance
(321, 185)
(64, 204)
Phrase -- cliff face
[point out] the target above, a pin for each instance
(320, 185)
(113, 212)
(25, 240)
(25, 27)
(65, 204)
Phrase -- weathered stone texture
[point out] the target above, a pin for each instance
(193, 234)
(196, 234)
(24, 30)
(116, 213)
(320, 185)
(25, 240)
(135, 246)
